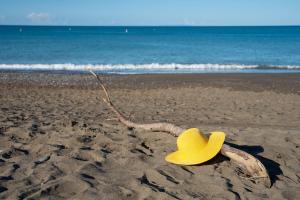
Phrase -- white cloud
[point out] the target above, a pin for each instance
(39, 17)
(188, 22)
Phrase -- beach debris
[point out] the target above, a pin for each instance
(251, 166)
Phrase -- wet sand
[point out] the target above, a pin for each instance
(58, 139)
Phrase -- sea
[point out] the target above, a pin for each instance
(142, 50)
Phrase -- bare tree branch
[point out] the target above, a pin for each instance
(251, 166)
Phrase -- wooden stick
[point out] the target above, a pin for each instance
(250, 165)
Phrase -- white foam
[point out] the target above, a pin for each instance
(152, 66)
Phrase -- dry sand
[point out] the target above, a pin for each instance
(58, 140)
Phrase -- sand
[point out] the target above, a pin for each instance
(59, 141)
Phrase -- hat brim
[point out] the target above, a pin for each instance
(211, 149)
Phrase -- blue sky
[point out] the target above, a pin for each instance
(150, 12)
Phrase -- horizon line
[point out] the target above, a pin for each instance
(179, 25)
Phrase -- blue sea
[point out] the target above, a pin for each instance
(129, 50)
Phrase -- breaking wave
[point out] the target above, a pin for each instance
(144, 67)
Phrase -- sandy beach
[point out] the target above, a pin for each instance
(59, 140)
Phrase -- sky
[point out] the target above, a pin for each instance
(150, 12)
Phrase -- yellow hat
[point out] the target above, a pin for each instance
(194, 148)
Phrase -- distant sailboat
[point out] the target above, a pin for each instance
(20, 30)
(126, 30)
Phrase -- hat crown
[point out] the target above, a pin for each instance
(191, 140)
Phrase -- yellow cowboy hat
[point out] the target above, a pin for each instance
(194, 148)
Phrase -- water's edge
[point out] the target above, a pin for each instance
(152, 68)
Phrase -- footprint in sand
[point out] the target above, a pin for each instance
(145, 181)
(14, 152)
(143, 149)
(88, 155)
(85, 139)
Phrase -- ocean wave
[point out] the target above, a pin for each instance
(152, 66)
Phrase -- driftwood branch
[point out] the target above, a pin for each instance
(251, 167)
